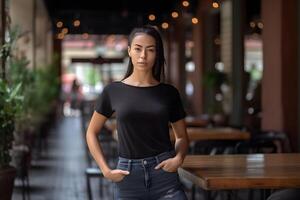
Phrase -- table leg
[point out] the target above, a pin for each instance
(208, 195)
(193, 191)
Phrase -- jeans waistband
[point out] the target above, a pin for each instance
(154, 159)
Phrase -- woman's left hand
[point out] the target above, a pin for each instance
(170, 165)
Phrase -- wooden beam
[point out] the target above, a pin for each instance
(98, 60)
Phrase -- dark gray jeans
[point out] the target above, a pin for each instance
(146, 183)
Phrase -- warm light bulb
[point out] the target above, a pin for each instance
(175, 14)
(76, 23)
(59, 24)
(215, 5)
(217, 41)
(60, 36)
(185, 3)
(195, 20)
(165, 25)
(260, 25)
(151, 17)
(65, 30)
(252, 24)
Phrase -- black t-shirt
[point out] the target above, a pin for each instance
(143, 115)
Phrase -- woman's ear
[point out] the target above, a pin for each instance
(129, 51)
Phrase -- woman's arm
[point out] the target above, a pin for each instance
(181, 147)
(181, 139)
(96, 124)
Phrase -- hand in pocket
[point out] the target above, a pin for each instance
(117, 175)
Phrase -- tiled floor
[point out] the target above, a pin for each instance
(59, 173)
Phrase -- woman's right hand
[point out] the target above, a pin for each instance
(116, 175)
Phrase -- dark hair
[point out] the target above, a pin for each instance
(158, 71)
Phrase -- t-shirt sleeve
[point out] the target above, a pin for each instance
(103, 104)
(177, 111)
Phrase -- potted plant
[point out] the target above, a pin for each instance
(45, 93)
(10, 106)
(18, 72)
(10, 103)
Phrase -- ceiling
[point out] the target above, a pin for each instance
(109, 16)
(120, 16)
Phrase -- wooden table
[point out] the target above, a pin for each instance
(196, 134)
(196, 122)
(253, 171)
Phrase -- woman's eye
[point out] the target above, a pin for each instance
(137, 49)
(151, 50)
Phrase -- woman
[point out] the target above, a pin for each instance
(75, 96)
(144, 106)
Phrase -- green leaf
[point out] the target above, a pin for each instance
(15, 92)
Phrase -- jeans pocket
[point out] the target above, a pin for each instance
(124, 167)
(168, 171)
(120, 180)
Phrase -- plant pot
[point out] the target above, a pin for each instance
(7, 177)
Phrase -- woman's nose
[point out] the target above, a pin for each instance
(143, 54)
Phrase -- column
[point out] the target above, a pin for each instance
(177, 57)
(280, 78)
(202, 55)
(237, 57)
(298, 51)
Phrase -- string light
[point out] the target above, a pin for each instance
(260, 25)
(76, 23)
(60, 36)
(165, 25)
(59, 24)
(195, 20)
(252, 24)
(65, 30)
(174, 14)
(185, 3)
(215, 5)
(217, 41)
(151, 17)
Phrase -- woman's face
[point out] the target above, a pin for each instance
(142, 52)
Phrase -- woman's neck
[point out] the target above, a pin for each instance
(141, 79)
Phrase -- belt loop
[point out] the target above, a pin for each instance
(157, 160)
(129, 165)
(142, 163)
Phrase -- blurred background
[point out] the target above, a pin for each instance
(235, 62)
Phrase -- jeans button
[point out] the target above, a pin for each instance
(145, 162)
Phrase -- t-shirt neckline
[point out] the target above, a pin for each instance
(150, 86)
